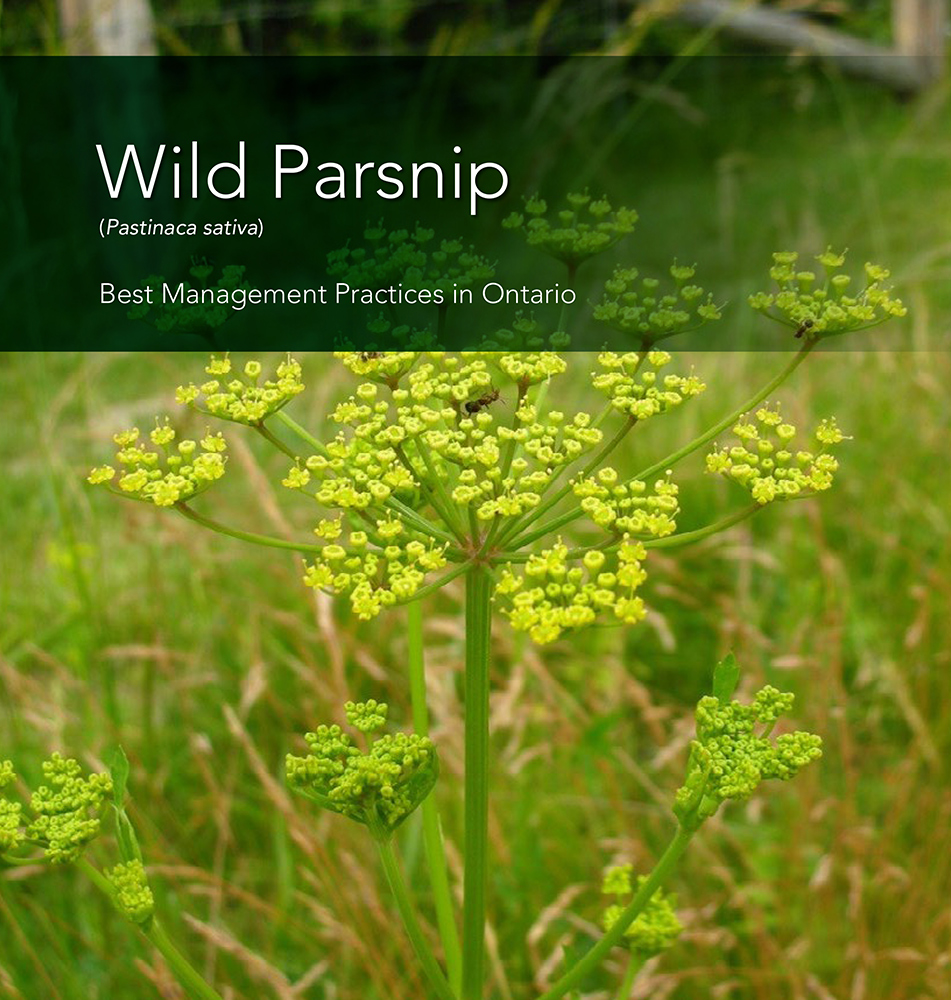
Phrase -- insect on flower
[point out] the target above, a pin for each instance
(476, 405)
(805, 327)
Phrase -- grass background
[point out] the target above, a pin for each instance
(207, 659)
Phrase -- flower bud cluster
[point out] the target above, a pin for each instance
(410, 258)
(244, 398)
(729, 758)
(646, 312)
(67, 809)
(132, 893)
(638, 393)
(555, 593)
(184, 317)
(656, 928)
(766, 462)
(374, 569)
(628, 508)
(821, 309)
(165, 476)
(585, 227)
(11, 813)
(379, 787)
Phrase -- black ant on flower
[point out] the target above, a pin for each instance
(475, 405)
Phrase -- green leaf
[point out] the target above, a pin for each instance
(119, 770)
(126, 840)
(726, 676)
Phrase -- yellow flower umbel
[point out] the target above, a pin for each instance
(649, 313)
(767, 462)
(171, 472)
(243, 397)
(817, 309)
(585, 227)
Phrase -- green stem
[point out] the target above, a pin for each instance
(413, 517)
(277, 442)
(424, 953)
(245, 536)
(432, 829)
(194, 983)
(295, 428)
(593, 958)
(634, 966)
(721, 425)
(478, 632)
(595, 462)
(431, 588)
(687, 537)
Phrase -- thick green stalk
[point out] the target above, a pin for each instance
(404, 904)
(593, 958)
(432, 829)
(194, 983)
(478, 631)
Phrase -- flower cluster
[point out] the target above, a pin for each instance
(379, 787)
(729, 758)
(192, 317)
(132, 893)
(67, 809)
(11, 833)
(526, 335)
(649, 314)
(437, 431)
(555, 592)
(628, 508)
(766, 463)
(243, 398)
(408, 257)
(585, 227)
(655, 928)
(376, 568)
(172, 474)
(641, 392)
(816, 310)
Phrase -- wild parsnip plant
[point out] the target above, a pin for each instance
(443, 466)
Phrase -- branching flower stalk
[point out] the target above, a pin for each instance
(67, 817)
(445, 465)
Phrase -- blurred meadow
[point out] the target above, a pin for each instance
(206, 659)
